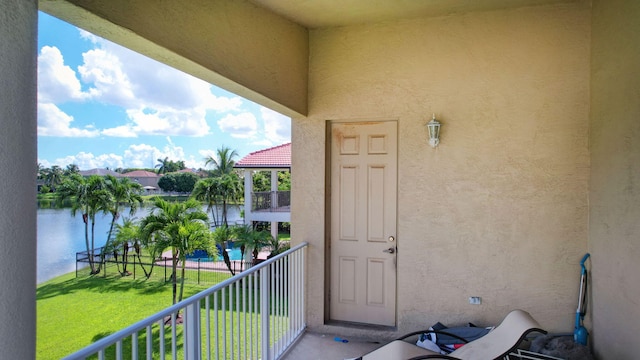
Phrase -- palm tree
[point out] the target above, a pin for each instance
(126, 233)
(208, 191)
(71, 169)
(250, 238)
(231, 189)
(221, 235)
(123, 192)
(89, 196)
(163, 165)
(224, 162)
(180, 226)
(54, 177)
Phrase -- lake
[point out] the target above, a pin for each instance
(61, 235)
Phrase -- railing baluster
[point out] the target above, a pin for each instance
(174, 337)
(244, 312)
(134, 345)
(119, 350)
(216, 309)
(161, 339)
(238, 316)
(149, 347)
(264, 311)
(208, 326)
(224, 323)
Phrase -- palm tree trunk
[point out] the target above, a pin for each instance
(86, 240)
(227, 261)
(182, 281)
(94, 271)
(224, 213)
(174, 266)
(107, 243)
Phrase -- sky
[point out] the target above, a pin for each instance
(101, 105)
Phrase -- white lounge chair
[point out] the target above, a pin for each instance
(497, 344)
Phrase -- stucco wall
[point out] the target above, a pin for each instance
(499, 209)
(18, 37)
(615, 178)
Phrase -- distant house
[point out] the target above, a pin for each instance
(148, 179)
(200, 173)
(273, 206)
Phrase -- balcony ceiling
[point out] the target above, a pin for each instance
(329, 13)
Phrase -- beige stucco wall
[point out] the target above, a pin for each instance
(615, 178)
(499, 209)
(18, 39)
(233, 44)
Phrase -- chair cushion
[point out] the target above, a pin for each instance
(397, 349)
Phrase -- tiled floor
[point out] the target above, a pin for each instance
(324, 346)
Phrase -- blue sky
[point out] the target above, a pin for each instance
(102, 105)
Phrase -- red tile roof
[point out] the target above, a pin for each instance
(275, 157)
(140, 173)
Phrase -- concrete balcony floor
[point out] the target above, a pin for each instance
(323, 346)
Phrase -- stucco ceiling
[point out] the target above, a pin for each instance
(328, 13)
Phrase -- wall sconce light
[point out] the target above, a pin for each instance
(434, 131)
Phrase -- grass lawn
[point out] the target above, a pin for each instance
(73, 313)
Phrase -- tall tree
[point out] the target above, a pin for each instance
(54, 177)
(252, 239)
(231, 189)
(224, 162)
(71, 169)
(221, 235)
(163, 165)
(89, 197)
(208, 191)
(127, 233)
(179, 226)
(122, 192)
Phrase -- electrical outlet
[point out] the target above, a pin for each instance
(475, 300)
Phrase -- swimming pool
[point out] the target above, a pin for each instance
(234, 254)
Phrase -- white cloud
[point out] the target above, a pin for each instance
(141, 156)
(158, 99)
(241, 126)
(86, 161)
(104, 71)
(57, 82)
(146, 156)
(277, 127)
(54, 122)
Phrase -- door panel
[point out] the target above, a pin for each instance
(363, 219)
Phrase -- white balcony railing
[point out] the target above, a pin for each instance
(273, 201)
(256, 314)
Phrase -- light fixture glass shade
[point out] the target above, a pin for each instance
(434, 132)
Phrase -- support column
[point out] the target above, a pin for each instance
(274, 199)
(248, 195)
(18, 160)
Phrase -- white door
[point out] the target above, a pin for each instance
(363, 222)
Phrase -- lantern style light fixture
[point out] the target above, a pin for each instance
(434, 131)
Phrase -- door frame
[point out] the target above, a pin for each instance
(327, 222)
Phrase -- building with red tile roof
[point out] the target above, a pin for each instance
(272, 206)
(148, 179)
(277, 157)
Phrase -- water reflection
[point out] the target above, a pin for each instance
(61, 235)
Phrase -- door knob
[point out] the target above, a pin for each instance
(392, 239)
(390, 250)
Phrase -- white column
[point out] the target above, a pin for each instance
(274, 201)
(248, 200)
(18, 159)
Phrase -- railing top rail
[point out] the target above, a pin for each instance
(142, 324)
